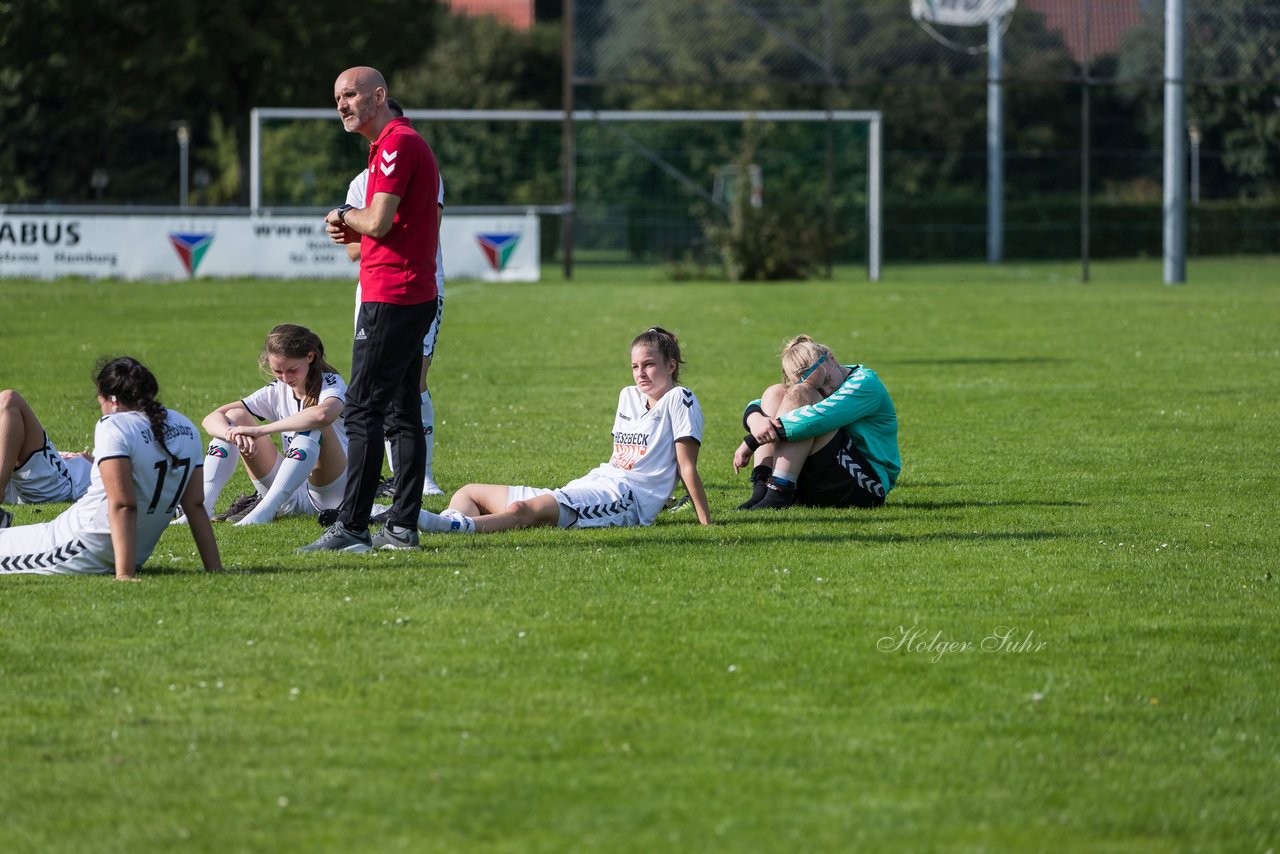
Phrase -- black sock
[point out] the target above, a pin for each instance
(759, 477)
(779, 494)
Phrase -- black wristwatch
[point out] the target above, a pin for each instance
(342, 213)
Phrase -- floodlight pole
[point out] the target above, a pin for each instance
(1085, 82)
(1175, 145)
(255, 160)
(567, 146)
(995, 144)
(184, 148)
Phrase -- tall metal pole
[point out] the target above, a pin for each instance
(1085, 83)
(828, 24)
(875, 179)
(255, 160)
(995, 145)
(567, 146)
(1175, 146)
(184, 159)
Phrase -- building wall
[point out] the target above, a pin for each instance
(514, 13)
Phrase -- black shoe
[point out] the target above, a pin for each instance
(758, 490)
(395, 537)
(759, 477)
(776, 496)
(328, 517)
(339, 538)
(386, 488)
(6, 518)
(238, 509)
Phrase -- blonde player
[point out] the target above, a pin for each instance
(356, 199)
(826, 436)
(657, 432)
(32, 471)
(304, 405)
(145, 463)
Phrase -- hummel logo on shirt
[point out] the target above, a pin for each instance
(389, 165)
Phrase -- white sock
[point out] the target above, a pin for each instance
(263, 484)
(286, 478)
(429, 433)
(447, 522)
(219, 464)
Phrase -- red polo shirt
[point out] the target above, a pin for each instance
(400, 266)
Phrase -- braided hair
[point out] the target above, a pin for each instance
(665, 343)
(127, 381)
(297, 342)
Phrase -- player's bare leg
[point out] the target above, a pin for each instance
(21, 434)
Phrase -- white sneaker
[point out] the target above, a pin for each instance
(429, 487)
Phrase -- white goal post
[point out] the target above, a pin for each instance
(872, 118)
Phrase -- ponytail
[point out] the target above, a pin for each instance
(127, 381)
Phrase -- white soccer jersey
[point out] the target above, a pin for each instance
(79, 539)
(355, 197)
(276, 401)
(644, 445)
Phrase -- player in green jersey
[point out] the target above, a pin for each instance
(826, 436)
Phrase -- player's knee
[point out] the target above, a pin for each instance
(772, 398)
(522, 511)
(800, 395)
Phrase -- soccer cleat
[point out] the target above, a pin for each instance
(758, 490)
(386, 488)
(394, 537)
(459, 523)
(759, 478)
(6, 518)
(429, 487)
(179, 517)
(339, 538)
(328, 517)
(675, 505)
(378, 513)
(776, 497)
(238, 509)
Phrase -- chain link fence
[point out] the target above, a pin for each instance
(1082, 82)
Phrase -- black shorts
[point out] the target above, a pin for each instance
(838, 475)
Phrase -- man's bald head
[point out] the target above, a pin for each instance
(360, 94)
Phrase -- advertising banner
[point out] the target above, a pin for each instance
(173, 246)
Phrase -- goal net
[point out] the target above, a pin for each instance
(646, 184)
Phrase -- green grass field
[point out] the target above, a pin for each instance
(1091, 467)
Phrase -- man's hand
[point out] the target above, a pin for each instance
(339, 232)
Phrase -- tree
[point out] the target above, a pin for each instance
(69, 110)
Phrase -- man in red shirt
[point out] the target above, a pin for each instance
(398, 232)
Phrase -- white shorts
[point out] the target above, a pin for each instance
(588, 502)
(309, 500)
(38, 550)
(428, 340)
(47, 476)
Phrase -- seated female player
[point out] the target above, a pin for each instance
(827, 436)
(304, 405)
(145, 464)
(657, 432)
